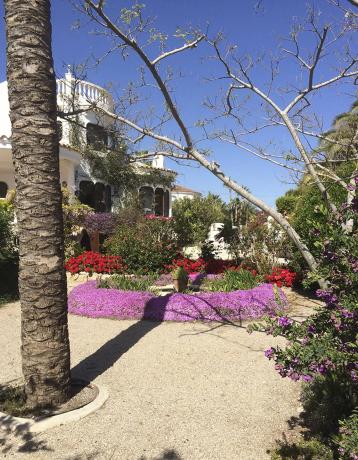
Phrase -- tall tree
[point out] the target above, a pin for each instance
(42, 280)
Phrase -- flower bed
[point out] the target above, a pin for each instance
(88, 300)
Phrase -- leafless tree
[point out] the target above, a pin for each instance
(126, 34)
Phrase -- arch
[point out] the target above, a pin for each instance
(159, 202)
(3, 189)
(146, 198)
(86, 193)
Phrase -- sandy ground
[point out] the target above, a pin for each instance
(177, 392)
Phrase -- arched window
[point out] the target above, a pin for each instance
(146, 197)
(97, 136)
(3, 189)
(86, 193)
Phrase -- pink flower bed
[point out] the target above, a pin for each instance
(88, 300)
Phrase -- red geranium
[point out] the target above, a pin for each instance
(94, 262)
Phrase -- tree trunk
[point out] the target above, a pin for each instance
(42, 280)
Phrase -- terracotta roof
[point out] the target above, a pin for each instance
(180, 188)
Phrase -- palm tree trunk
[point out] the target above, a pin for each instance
(42, 280)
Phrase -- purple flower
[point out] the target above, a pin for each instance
(269, 352)
(328, 297)
(307, 378)
(284, 321)
(88, 300)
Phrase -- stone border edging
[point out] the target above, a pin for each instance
(18, 424)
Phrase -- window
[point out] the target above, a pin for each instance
(96, 136)
(3, 189)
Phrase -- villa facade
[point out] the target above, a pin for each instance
(88, 130)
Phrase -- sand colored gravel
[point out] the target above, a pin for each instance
(177, 392)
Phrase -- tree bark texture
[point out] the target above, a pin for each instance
(42, 280)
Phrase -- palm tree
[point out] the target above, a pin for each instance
(42, 280)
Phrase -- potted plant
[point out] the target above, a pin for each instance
(180, 279)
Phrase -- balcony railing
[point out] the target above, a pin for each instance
(86, 91)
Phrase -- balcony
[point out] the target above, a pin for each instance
(84, 91)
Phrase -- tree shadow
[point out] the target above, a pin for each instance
(9, 439)
(169, 454)
(106, 356)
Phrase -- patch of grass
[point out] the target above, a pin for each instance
(127, 283)
(233, 281)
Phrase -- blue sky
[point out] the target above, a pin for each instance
(254, 32)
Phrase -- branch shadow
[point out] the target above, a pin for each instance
(9, 439)
(108, 354)
(169, 454)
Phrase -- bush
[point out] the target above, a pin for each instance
(193, 217)
(146, 246)
(93, 262)
(347, 440)
(312, 449)
(323, 349)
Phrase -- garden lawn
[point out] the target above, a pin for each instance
(88, 300)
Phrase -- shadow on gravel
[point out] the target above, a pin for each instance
(20, 440)
(107, 355)
(169, 454)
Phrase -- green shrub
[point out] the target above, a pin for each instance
(193, 217)
(233, 281)
(304, 450)
(326, 400)
(146, 245)
(347, 440)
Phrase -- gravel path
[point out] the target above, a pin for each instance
(177, 392)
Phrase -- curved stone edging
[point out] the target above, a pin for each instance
(18, 424)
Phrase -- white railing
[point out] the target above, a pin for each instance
(88, 91)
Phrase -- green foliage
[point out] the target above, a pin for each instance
(128, 283)
(312, 449)
(193, 217)
(233, 281)
(9, 264)
(287, 203)
(74, 215)
(326, 400)
(257, 243)
(145, 244)
(347, 440)
(179, 273)
(323, 349)
(6, 229)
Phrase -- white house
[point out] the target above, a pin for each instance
(88, 129)
(179, 192)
